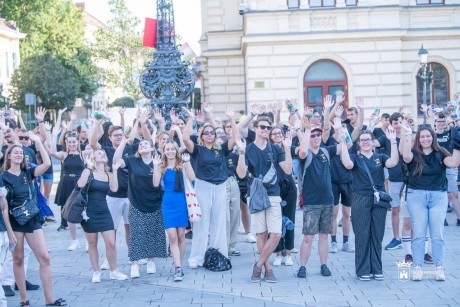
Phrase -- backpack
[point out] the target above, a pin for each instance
(302, 170)
(215, 261)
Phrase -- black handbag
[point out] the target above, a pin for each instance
(215, 261)
(384, 198)
(76, 203)
(24, 213)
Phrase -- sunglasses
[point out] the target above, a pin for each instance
(315, 135)
(209, 133)
(23, 138)
(263, 127)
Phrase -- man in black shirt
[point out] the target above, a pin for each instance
(318, 199)
(257, 158)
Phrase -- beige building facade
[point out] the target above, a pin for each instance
(9, 52)
(269, 50)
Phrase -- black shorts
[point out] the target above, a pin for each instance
(342, 193)
(243, 185)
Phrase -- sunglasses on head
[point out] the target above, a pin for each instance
(211, 132)
(23, 138)
(263, 127)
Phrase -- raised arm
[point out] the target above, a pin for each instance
(286, 165)
(405, 144)
(113, 182)
(189, 145)
(207, 108)
(122, 117)
(160, 120)
(305, 141)
(241, 167)
(328, 103)
(96, 134)
(254, 109)
(46, 162)
(394, 155)
(83, 178)
(40, 117)
(188, 167)
(156, 179)
(60, 155)
(117, 156)
(359, 123)
(345, 156)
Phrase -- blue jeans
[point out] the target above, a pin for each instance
(427, 208)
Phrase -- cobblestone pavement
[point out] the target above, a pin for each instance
(72, 279)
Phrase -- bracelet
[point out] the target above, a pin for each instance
(186, 162)
(241, 152)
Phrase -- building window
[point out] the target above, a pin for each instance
(293, 4)
(438, 91)
(322, 3)
(15, 60)
(324, 77)
(425, 2)
(351, 2)
(7, 65)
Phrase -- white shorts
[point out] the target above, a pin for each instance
(119, 207)
(394, 189)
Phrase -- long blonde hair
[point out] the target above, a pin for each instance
(93, 160)
(164, 159)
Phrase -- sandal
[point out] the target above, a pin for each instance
(58, 302)
(25, 303)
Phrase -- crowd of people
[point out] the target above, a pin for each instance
(252, 170)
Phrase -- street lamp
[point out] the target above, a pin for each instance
(424, 75)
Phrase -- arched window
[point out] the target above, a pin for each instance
(323, 77)
(438, 91)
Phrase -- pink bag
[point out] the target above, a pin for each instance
(193, 207)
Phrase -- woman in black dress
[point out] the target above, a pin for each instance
(17, 179)
(147, 237)
(72, 166)
(97, 212)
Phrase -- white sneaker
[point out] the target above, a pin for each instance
(193, 265)
(118, 275)
(288, 261)
(241, 230)
(105, 265)
(135, 271)
(277, 261)
(73, 245)
(151, 267)
(142, 262)
(333, 248)
(96, 277)
(440, 276)
(347, 248)
(250, 238)
(294, 251)
(417, 273)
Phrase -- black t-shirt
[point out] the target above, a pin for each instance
(141, 192)
(258, 162)
(209, 164)
(433, 177)
(2, 223)
(29, 154)
(18, 186)
(317, 186)
(445, 140)
(395, 174)
(232, 162)
(378, 132)
(251, 136)
(122, 173)
(339, 174)
(361, 182)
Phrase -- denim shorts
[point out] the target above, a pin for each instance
(47, 177)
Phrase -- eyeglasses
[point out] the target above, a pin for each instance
(118, 135)
(365, 140)
(263, 127)
(277, 133)
(209, 133)
(23, 138)
(315, 135)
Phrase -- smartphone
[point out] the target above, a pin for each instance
(377, 111)
(285, 129)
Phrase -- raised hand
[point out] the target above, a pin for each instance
(328, 102)
(278, 106)
(157, 160)
(65, 125)
(230, 113)
(116, 165)
(33, 137)
(340, 98)
(157, 115)
(61, 111)
(40, 114)
(185, 157)
(257, 108)
(391, 134)
(337, 124)
(241, 143)
(190, 113)
(306, 121)
(424, 108)
(143, 117)
(339, 111)
(173, 116)
(47, 126)
(73, 115)
(207, 107)
(287, 142)
(359, 102)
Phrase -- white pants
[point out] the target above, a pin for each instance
(8, 275)
(3, 252)
(233, 211)
(211, 198)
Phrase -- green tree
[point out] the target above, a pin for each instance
(48, 78)
(126, 102)
(118, 43)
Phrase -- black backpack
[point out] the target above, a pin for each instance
(215, 261)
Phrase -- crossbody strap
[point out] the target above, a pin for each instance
(368, 172)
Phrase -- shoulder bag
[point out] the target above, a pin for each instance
(76, 203)
(384, 198)
(193, 207)
(27, 210)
